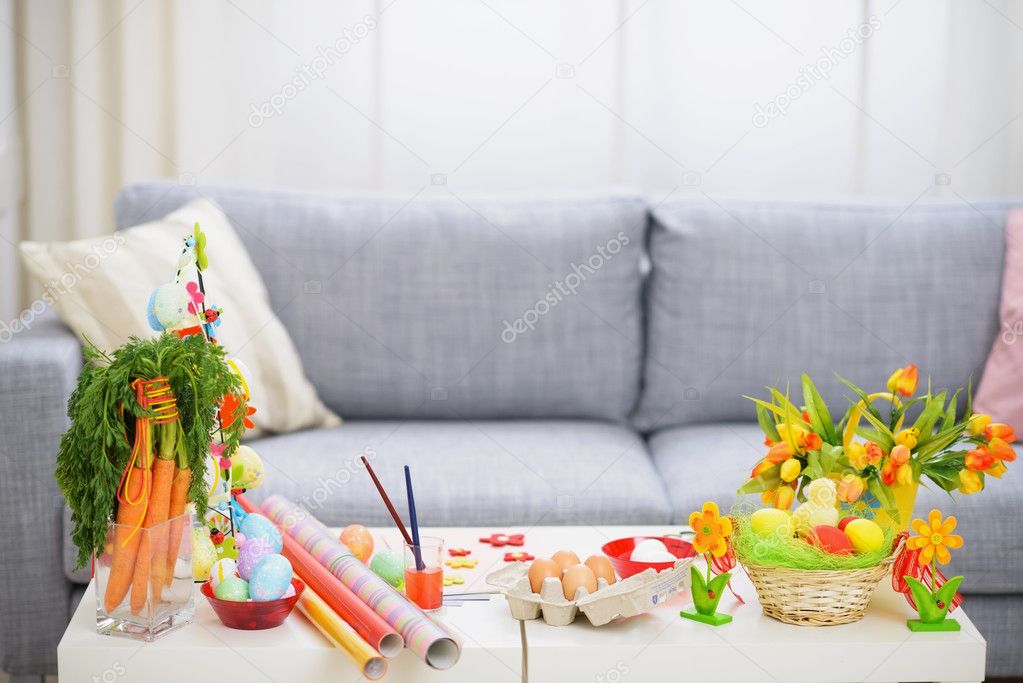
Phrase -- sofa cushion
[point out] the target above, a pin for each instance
(745, 294)
(494, 474)
(439, 307)
(709, 462)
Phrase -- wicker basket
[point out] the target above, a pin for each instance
(817, 597)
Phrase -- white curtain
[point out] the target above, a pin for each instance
(901, 99)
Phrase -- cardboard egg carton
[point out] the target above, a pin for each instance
(625, 598)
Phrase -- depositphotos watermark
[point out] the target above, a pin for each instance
(58, 287)
(326, 57)
(560, 289)
(815, 72)
(326, 489)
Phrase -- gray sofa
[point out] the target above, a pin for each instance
(578, 361)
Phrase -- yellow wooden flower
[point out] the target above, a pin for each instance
(935, 539)
(712, 530)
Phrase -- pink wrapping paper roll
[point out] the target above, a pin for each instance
(424, 637)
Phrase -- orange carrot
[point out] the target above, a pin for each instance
(156, 513)
(178, 501)
(126, 549)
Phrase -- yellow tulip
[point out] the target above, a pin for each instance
(908, 437)
(996, 470)
(971, 482)
(857, 455)
(790, 469)
(904, 475)
(978, 423)
(784, 497)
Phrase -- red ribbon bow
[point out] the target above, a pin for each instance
(908, 564)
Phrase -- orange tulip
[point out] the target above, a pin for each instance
(1000, 431)
(784, 497)
(888, 472)
(780, 452)
(1001, 450)
(979, 459)
(900, 455)
(903, 381)
(874, 453)
(761, 467)
(850, 488)
(811, 442)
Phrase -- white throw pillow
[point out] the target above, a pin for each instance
(100, 288)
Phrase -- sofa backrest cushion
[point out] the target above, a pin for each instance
(745, 294)
(445, 306)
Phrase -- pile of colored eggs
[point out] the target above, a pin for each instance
(260, 574)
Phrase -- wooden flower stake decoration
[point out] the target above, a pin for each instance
(928, 548)
(711, 540)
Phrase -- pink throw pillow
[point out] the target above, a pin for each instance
(999, 393)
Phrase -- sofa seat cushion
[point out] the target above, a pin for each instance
(710, 461)
(442, 306)
(489, 473)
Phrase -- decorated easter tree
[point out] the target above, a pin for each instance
(142, 422)
(710, 538)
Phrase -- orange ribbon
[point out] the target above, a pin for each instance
(155, 397)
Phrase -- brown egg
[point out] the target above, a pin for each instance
(565, 559)
(601, 567)
(540, 570)
(576, 576)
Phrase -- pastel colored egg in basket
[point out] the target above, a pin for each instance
(620, 550)
(251, 615)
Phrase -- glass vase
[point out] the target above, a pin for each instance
(905, 501)
(143, 580)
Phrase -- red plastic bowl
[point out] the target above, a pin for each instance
(619, 550)
(253, 616)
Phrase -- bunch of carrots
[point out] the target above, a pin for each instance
(153, 490)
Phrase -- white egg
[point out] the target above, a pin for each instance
(651, 550)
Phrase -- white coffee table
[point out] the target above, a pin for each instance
(656, 646)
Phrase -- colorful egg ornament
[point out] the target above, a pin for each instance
(359, 540)
(389, 566)
(223, 569)
(254, 550)
(232, 588)
(270, 578)
(204, 554)
(257, 526)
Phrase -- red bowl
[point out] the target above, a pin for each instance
(619, 550)
(253, 616)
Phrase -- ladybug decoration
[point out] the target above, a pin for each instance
(217, 536)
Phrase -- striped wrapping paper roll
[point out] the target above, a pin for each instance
(424, 637)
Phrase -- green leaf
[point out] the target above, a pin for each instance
(817, 409)
(766, 481)
(863, 397)
(767, 424)
(883, 435)
(950, 414)
(925, 422)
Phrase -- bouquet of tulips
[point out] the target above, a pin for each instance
(872, 461)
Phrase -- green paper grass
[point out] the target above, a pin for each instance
(796, 553)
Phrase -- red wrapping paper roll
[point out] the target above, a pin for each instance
(360, 616)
